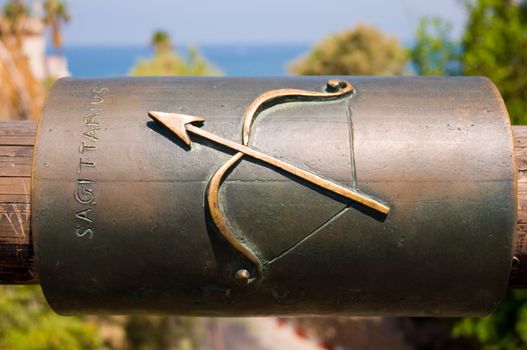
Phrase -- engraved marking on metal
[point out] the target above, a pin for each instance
(334, 89)
(83, 164)
(82, 231)
(352, 146)
(340, 212)
(83, 147)
(177, 122)
(309, 235)
(84, 192)
(90, 119)
(92, 134)
(181, 125)
(84, 215)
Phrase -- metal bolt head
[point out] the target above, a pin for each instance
(242, 277)
(333, 85)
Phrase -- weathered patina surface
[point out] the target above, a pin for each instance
(122, 224)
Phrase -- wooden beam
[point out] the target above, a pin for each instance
(17, 264)
(518, 278)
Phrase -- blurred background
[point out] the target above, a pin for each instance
(41, 41)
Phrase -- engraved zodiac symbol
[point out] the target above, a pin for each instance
(182, 125)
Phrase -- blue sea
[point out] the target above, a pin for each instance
(232, 60)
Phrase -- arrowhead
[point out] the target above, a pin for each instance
(176, 123)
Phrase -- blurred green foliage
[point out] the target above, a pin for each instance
(55, 13)
(434, 51)
(27, 323)
(15, 11)
(162, 332)
(495, 45)
(363, 50)
(160, 41)
(167, 61)
(506, 328)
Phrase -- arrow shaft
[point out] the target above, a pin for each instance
(290, 168)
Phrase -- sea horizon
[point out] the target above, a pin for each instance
(230, 59)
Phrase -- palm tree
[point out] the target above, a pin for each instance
(56, 12)
(15, 11)
(161, 41)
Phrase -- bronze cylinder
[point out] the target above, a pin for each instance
(288, 196)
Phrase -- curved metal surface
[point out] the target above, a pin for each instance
(119, 203)
(334, 89)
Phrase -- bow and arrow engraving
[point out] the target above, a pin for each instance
(182, 125)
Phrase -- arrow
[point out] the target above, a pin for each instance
(181, 125)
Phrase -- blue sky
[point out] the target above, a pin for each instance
(112, 22)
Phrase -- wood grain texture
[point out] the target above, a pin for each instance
(17, 265)
(518, 278)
